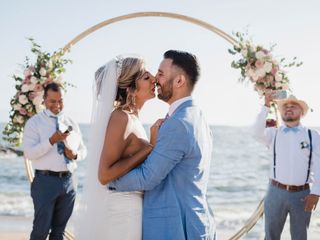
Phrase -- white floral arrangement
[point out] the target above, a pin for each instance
(30, 85)
(258, 65)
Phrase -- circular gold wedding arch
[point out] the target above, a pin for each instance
(259, 210)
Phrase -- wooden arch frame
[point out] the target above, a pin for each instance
(260, 209)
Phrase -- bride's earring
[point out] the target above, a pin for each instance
(134, 100)
(131, 101)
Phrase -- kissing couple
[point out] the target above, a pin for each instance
(137, 188)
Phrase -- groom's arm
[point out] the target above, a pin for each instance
(172, 144)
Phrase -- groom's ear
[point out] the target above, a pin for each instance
(180, 80)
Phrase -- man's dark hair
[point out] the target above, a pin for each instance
(187, 62)
(53, 87)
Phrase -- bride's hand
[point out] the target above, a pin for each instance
(154, 131)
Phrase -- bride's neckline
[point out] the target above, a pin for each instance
(131, 114)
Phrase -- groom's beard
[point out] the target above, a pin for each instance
(290, 117)
(166, 90)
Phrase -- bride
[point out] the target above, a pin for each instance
(117, 144)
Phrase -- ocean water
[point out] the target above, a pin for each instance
(238, 181)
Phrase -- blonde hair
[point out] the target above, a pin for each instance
(131, 70)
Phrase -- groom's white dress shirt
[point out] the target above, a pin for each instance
(291, 157)
(37, 147)
(177, 103)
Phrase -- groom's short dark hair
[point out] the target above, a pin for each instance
(187, 62)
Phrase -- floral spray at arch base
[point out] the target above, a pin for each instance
(29, 85)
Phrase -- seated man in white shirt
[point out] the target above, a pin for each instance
(295, 164)
(45, 143)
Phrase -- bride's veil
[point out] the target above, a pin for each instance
(89, 217)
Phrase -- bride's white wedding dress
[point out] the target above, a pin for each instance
(103, 214)
(115, 215)
(123, 210)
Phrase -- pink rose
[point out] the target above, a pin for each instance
(32, 95)
(31, 68)
(38, 88)
(26, 80)
(274, 71)
(27, 73)
(259, 64)
(17, 94)
(265, 51)
(269, 79)
(22, 111)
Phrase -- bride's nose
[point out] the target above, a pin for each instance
(153, 80)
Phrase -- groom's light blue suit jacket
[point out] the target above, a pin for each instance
(175, 178)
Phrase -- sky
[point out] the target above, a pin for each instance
(294, 25)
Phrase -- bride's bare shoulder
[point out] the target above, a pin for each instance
(119, 117)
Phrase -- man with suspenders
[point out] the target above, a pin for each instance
(295, 165)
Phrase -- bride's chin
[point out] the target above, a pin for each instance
(153, 95)
(150, 97)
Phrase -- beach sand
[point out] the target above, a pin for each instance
(19, 228)
(13, 236)
(15, 228)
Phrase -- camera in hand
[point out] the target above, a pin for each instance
(69, 129)
(282, 94)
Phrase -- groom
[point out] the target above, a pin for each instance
(176, 173)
